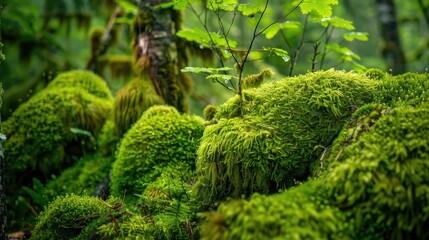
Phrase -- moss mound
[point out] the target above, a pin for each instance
(382, 178)
(39, 131)
(67, 216)
(160, 138)
(270, 140)
(405, 89)
(131, 101)
(298, 213)
(165, 211)
(85, 80)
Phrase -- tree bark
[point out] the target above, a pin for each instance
(155, 51)
(391, 48)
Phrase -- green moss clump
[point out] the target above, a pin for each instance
(209, 112)
(405, 89)
(108, 140)
(165, 208)
(298, 213)
(377, 74)
(83, 79)
(131, 101)
(269, 141)
(160, 138)
(382, 178)
(38, 131)
(67, 216)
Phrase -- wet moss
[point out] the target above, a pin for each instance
(161, 138)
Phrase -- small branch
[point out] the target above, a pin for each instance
(315, 53)
(243, 62)
(327, 39)
(298, 49)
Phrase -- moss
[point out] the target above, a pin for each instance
(382, 178)
(405, 89)
(165, 211)
(131, 101)
(299, 213)
(377, 74)
(255, 80)
(359, 124)
(269, 141)
(83, 79)
(108, 140)
(83, 177)
(161, 137)
(67, 216)
(45, 122)
(209, 112)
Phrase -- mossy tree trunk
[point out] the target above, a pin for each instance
(155, 50)
(391, 48)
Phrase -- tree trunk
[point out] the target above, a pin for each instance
(391, 48)
(155, 51)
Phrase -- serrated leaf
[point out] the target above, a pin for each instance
(227, 5)
(127, 6)
(273, 30)
(336, 22)
(360, 36)
(224, 77)
(204, 38)
(347, 54)
(322, 8)
(248, 9)
(204, 70)
(279, 52)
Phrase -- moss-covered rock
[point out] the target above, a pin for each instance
(299, 213)
(270, 140)
(382, 178)
(67, 216)
(161, 138)
(405, 89)
(131, 101)
(84, 80)
(39, 131)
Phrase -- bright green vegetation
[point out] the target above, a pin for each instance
(274, 138)
(67, 216)
(131, 101)
(39, 131)
(161, 138)
(165, 211)
(299, 213)
(382, 178)
(84, 80)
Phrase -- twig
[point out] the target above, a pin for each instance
(298, 49)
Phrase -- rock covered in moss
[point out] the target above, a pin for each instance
(131, 101)
(382, 178)
(85, 80)
(269, 141)
(299, 213)
(406, 89)
(67, 216)
(161, 138)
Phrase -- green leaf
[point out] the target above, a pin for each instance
(273, 30)
(204, 38)
(279, 52)
(336, 22)
(360, 36)
(248, 9)
(226, 5)
(204, 70)
(127, 6)
(347, 54)
(322, 8)
(223, 77)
